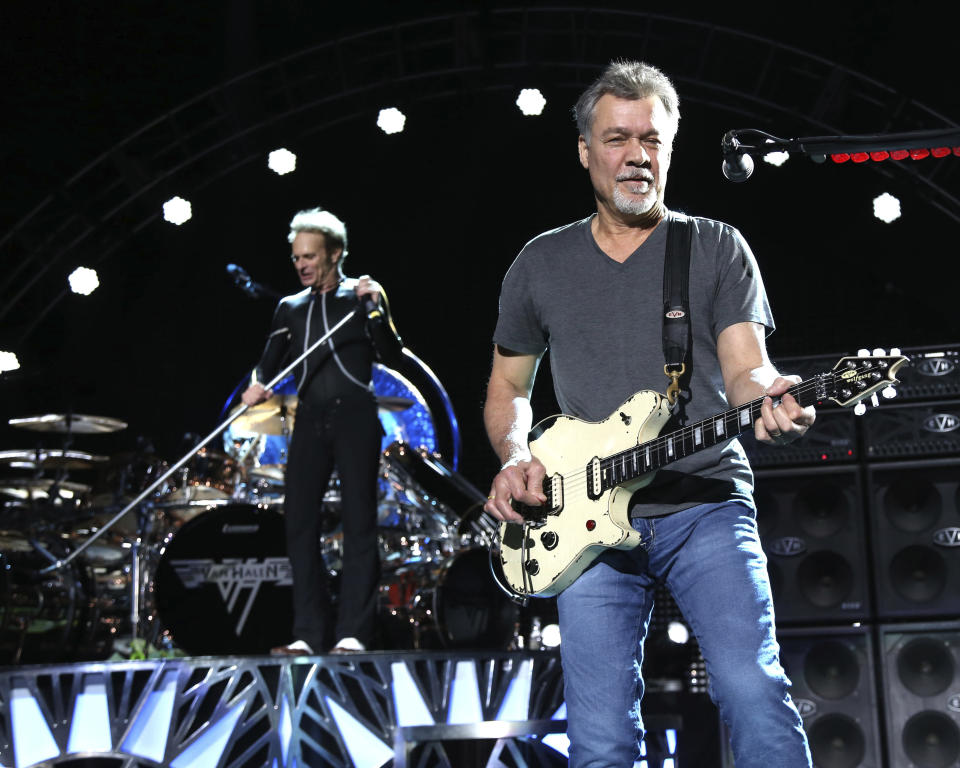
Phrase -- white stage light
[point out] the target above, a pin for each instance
(177, 210)
(282, 161)
(550, 636)
(83, 281)
(8, 362)
(776, 158)
(886, 207)
(531, 101)
(678, 632)
(391, 120)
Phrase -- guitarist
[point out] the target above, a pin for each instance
(591, 293)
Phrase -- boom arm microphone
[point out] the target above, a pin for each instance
(737, 166)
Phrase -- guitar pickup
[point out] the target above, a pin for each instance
(555, 494)
(595, 484)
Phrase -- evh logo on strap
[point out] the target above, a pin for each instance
(941, 423)
(787, 546)
(936, 366)
(947, 537)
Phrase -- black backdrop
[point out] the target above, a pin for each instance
(436, 213)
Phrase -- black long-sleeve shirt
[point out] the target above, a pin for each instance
(341, 367)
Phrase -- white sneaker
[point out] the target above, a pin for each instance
(296, 648)
(348, 645)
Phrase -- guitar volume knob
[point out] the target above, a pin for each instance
(549, 539)
(532, 567)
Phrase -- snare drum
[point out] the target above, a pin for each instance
(223, 583)
(454, 603)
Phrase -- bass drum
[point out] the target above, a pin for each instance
(223, 584)
(455, 603)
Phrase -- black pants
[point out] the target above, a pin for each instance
(345, 433)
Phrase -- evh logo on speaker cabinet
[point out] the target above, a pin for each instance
(941, 423)
(953, 702)
(934, 366)
(787, 546)
(806, 707)
(947, 537)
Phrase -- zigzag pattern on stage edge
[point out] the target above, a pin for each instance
(253, 711)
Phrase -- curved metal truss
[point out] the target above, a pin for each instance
(446, 59)
(246, 712)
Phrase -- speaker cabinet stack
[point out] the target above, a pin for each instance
(812, 530)
(860, 522)
(921, 675)
(916, 538)
(834, 687)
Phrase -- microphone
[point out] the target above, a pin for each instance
(736, 165)
(238, 273)
(371, 307)
(243, 281)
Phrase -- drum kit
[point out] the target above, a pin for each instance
(95, 549)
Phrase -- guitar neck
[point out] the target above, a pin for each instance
(665, 449)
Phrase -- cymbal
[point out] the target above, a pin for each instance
(42, 458)
(388, 403)
(76, 423)
(271, 417)
(40, 487)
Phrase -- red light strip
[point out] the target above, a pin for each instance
(895, 154)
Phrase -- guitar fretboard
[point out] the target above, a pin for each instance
(664, 449)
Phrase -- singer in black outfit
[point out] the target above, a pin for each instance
(336, 424)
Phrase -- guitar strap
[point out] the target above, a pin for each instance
(676, 302)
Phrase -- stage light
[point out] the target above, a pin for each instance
(83, 281)
(282, 161)
(776, 158)
(177, 210)
(391, 120)
(8, 362)
(886, 207)
(550, 636)
(678, 632)
(531, 101)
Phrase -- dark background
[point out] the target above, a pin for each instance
(436, 213)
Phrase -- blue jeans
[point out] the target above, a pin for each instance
(710, 558)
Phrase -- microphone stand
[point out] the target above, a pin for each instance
(58, 564)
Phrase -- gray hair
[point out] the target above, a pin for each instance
(322, 222)
(627, 80)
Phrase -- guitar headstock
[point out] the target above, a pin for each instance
(854, 379)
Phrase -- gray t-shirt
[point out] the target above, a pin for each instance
(602, 323)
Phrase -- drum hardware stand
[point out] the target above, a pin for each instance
(187, 456)
(144, 529)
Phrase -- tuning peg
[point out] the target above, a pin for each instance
(875, 400)
(879, 352)
(859, 409)
(864, 352)
(889, 392)
(895, 351)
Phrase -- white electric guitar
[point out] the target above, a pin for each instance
(593, 468)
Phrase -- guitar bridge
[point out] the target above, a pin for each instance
(532, 516)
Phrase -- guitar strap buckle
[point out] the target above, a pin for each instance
(673, 389)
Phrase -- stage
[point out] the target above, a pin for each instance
(369, 710)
